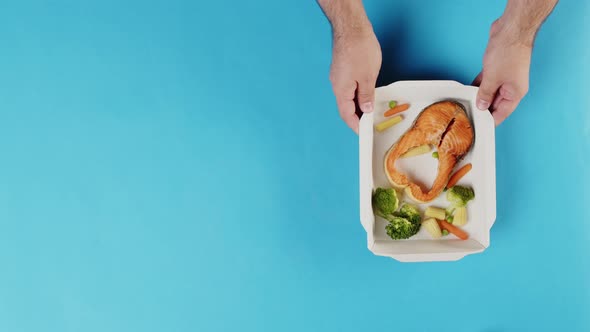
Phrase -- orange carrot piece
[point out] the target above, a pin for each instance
(453, 229)
(458, 175)
(397, 109)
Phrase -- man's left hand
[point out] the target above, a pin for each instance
(504, 79)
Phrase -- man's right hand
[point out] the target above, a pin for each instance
(356, 60)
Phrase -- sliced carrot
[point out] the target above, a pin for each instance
(397, 109)
(453, 229)
(458, 175)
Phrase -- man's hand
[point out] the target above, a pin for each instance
(504, 79)
(356, 58)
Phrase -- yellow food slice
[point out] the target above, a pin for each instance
(422, 149)
(432, 228)
(460, 216)
(381, 126)
(434, 212)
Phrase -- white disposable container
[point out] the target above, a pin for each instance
(372, 148)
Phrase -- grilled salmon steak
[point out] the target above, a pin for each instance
(443, 124)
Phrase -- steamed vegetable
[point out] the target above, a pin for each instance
(400, 228)
(449, 211)
(460, 216)
(445, 232)
(435, 154)
(458, 175)
(381, 126)
(459, 195)
(403, 223)
(385, 202)
(432, 227)
(453, 230)
(396, 109)
(434, 212)
(422, 149)
(392, 103)
(411, 213)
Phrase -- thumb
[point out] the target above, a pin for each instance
(365, 95)
(487, 91)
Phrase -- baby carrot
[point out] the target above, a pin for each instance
(458, 175)
(396, 109)
(453, 229)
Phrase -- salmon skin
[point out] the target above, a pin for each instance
(443, 124)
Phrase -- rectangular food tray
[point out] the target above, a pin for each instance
(372, 148)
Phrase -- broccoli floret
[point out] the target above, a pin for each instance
(385, 202)
(400, 228)
(403, 223)
(459, 195)
(411, 213)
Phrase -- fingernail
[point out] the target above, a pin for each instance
(482, 104)
(367, 107)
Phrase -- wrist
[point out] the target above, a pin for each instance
(513, 31)
(352, 27)
(522, 20)
(347, 17)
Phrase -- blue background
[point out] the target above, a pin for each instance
(180, 166)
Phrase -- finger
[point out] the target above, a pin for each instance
(342, 85)
(477, 79)
(497, 101)
(365, 94)
(344, 90)
(346, 109)
(503, 110)
(512, 91)
(486, 93)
